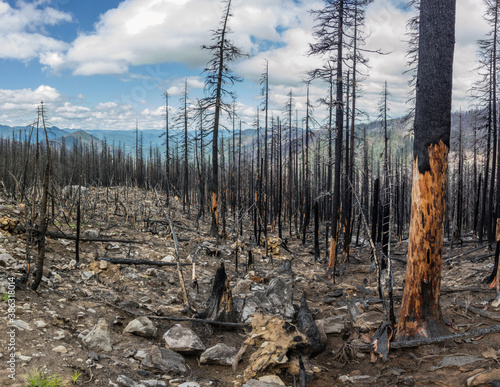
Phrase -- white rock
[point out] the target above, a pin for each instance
(169, 258)
(181, 339)
(60, 349)
(20, 324)
(141, 326)
(99, 338)
(219, 354)
(272, 379)
(40, 324)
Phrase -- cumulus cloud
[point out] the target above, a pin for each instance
(22, 30)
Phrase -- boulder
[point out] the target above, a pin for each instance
(181, 339)
(219, 354)
(141, 326)
(99, 338)
(164, 360)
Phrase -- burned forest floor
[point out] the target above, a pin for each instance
(55, 324)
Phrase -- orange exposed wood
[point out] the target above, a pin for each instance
(332, 255)
(215, 208)
(420, 310)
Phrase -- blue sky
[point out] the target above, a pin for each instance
(105, 64)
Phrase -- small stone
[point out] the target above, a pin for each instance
(60, 334)
(153, 383)
(20, 324)
(164, 360)
(40, 324)
(91, 233)
(103, 265)
(181, 339)
(272, 379)
(60, 349)
(86, 275)
(169, 258)
(188, 384)
(151, 272)
(141, 326)
(7, 260)
(99, 338)
(125, 381)
(140, 355)
(243, 286)
(26, 359)
(219, 354)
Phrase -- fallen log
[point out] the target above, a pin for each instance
(57, 235)
(464, 289)
(124, 261)
(434, 340)
(480, 312)
(155, 317)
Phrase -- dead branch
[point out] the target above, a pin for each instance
(463, 254)
(57, 235)
(434, 340)
(124, 261)
(480, 312)
(155, 317)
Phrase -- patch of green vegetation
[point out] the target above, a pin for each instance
(43, 378)
(75, 376)
(5, 296)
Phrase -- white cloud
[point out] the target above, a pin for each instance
(22, 34)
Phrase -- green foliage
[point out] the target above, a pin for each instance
(42, 378)
(5, 296)
(75, 376)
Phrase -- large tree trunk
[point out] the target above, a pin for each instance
(420, 310)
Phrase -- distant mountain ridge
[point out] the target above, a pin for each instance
(152, 138)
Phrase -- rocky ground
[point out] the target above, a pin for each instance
(88, 317)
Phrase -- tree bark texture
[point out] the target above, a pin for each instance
(420, 310)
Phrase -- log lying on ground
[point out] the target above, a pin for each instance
(434, 340)
(220, 303)
(124, 261)
(480, 312)
(58, 235)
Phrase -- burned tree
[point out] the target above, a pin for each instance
(218, 77)
(420, 310)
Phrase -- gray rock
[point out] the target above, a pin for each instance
(20, 324)
(164, 360)
(91, 233)
(277, 299)
(140, 355)
(219, 354)
(243, 286)
(189, 384)
(7, 260)
(99, 338)
(181, 339)
(141, 326)
(169, 258)
(154, 383)
(125, 381)
(86, 275)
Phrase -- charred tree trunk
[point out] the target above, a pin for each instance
(420, 309)
(220, 304)
(339, 122)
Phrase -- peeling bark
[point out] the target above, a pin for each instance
(420, 311)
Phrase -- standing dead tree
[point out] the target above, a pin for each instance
(218, 77)
(420, 310)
